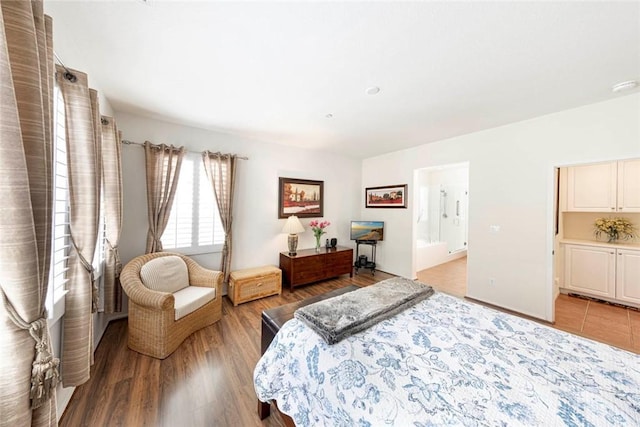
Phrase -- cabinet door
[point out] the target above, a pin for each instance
(628, 276)
(629, 185)
(592, 188)
(590, 270)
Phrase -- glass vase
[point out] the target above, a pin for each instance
(317, 243)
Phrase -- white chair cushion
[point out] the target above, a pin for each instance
(165, 274)
(192, 298)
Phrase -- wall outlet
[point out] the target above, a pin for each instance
(492, 281)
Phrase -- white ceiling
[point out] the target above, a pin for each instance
(273, 70)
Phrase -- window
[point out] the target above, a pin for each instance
(100, 252)
(61, 243)
(194, 225)
(61, 237)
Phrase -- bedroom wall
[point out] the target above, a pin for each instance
(257, 229)
(511, 186)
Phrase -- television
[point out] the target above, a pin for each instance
(367, 230)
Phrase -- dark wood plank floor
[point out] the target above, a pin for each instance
(207, 381)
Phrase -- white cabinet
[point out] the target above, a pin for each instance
(629, 186)
(628, 275)
(603, 271)
(592, 188)
(604, 187)
(590, 269)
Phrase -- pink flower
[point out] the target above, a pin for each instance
(318, 227)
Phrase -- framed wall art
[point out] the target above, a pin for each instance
(390, 196)
(301, 197)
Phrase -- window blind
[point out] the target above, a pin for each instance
(194, 223)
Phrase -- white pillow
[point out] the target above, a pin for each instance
(165, 274)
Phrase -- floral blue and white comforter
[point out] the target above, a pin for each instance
(446, 361)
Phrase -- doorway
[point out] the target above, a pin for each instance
(440, 215)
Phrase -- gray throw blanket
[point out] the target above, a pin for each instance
(337, 318)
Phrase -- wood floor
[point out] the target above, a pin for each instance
(450, 277)
(207, 381)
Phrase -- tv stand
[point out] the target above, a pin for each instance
(361, 260)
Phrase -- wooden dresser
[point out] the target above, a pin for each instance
(309, 266)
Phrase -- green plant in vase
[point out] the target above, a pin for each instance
(614, 228)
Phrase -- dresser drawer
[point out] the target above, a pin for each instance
(339, 259)
(309, 271)
(251, 284)
(339, 263)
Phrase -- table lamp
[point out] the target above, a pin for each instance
(292, 227)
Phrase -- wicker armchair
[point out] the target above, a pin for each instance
(153, 329)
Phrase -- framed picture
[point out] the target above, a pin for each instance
(390, 196)
(301, 197)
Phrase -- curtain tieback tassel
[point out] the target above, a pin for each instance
(44, 368)
(44, 371)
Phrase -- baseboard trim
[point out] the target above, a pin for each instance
(63, 397)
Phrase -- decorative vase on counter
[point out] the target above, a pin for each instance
(614, 229)
(318, 230)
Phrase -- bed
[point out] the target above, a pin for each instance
(447, 361)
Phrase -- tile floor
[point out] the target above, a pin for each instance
(617, 326)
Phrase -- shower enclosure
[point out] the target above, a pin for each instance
(441, 220)
(452, 219)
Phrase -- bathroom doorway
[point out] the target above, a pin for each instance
(441, 215)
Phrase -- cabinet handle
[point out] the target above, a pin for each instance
(620, 208)
(612, 253)
(613, 209)
(259, 284)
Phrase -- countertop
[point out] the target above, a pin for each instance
(618, 245)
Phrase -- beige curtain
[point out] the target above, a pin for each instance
(83, 152)
(112, 187)
(221, 171)
(28, 373)
(163, 169)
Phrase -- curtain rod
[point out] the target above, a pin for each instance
(127, 142)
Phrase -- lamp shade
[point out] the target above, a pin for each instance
(293, 225)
